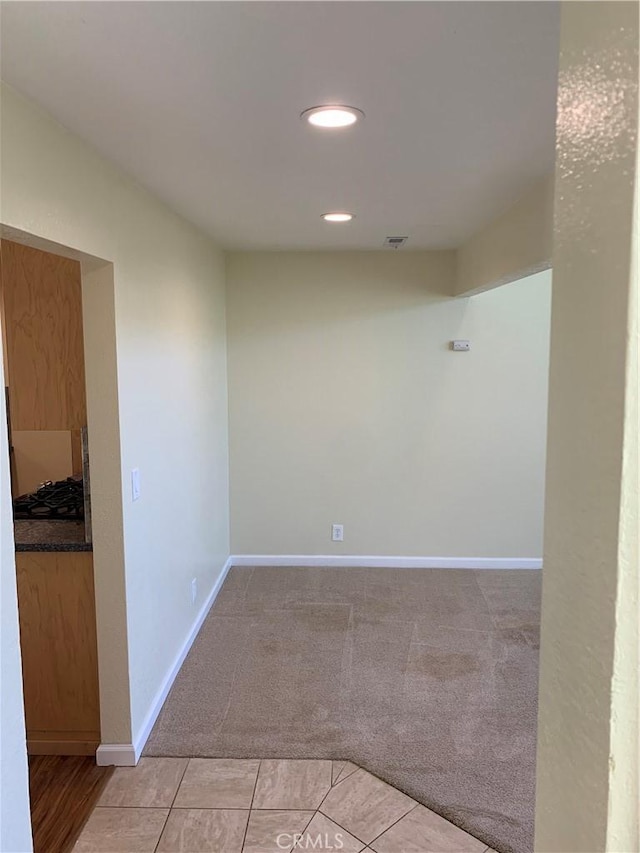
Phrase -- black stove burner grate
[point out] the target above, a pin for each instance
(64, 499)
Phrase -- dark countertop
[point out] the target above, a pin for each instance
(50, 535)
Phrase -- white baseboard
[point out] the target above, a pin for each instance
(128, 754)
(306, 560)
(120, 754)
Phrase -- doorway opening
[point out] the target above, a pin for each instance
(58, 340)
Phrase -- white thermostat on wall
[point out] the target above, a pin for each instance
(461, 346)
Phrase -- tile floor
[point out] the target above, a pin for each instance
(210, 805)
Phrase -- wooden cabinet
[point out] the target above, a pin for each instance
(42, 318)
(59, 652)
(41, 308)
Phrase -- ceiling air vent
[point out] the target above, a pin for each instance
(394, 242)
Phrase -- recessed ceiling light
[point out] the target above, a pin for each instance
(337, 217)
(332, 115)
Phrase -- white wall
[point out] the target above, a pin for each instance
(15, 824)
(167, 302)
(346, 405)
(587, 778)
(517, 244)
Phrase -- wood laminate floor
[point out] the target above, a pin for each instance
(64, 789)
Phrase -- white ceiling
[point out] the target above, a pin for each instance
(200, 102)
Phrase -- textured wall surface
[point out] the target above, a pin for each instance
(15, 824)
(587, 765)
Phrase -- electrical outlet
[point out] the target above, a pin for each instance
(194, 590)
(135, 484)
(337, 532)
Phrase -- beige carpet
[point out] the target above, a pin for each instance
(427, 678)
